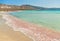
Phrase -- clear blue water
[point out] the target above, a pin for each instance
(49, 19)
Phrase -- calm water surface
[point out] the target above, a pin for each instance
(50, 19)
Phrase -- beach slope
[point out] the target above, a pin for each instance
(8, 34)
(37, 33)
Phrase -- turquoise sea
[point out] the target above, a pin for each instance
(49, 19)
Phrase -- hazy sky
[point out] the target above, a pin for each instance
(42, 3)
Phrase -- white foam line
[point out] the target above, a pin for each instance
(21, 30)
(15, 28)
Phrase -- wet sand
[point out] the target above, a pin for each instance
(8, 34)
(37, 33)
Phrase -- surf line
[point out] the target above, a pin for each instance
(21, 29)
(10, 20)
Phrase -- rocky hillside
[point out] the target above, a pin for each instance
(4, 7)
(22, 7)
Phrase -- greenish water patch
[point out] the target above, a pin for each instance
(49, 19)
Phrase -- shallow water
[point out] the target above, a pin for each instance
(50, 19)
(7, 33)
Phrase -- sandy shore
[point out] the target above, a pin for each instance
(8, 34)
(14, 29)
(38, 33)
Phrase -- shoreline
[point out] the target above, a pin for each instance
(6, 13)
(24, 27)
(10, 31)
(13, 27)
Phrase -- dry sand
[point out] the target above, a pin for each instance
(8, 34)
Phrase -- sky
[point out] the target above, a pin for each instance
(41, 3)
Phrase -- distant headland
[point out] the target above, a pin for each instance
(4, 7)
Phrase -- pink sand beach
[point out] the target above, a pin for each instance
(33, 31)
(8, 34)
